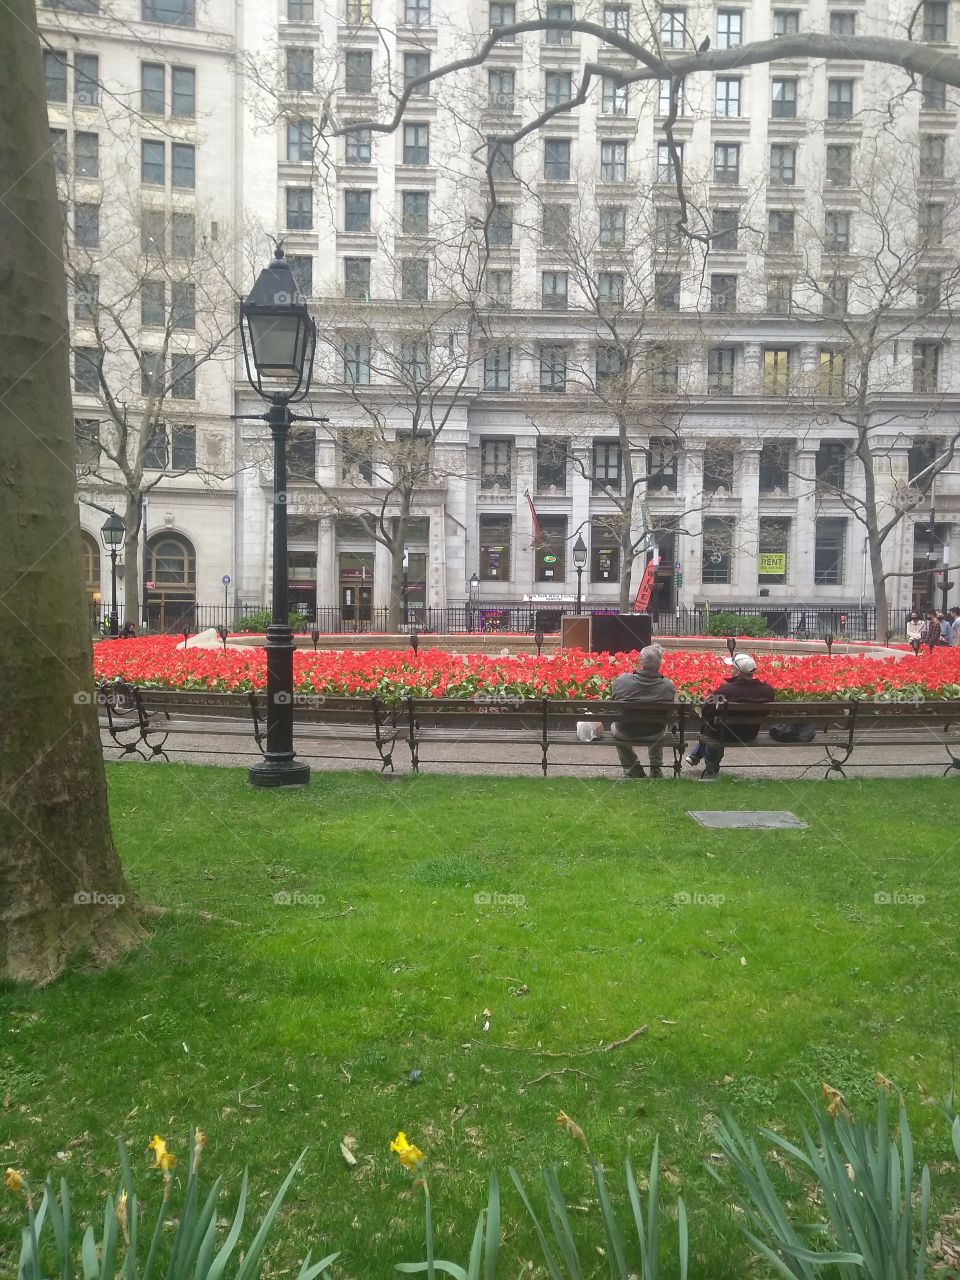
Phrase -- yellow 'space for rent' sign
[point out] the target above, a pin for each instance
(775, 563)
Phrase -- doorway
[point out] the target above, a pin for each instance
(356, 589)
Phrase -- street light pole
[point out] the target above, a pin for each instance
(473, 598)
(579, 562)
(112, 535)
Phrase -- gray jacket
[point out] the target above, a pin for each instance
(644, 688)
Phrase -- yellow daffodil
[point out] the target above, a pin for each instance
(13, 1179)
(163, 1159)
(410, 1157)
(199, 1142)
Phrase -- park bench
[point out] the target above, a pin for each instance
(140, 721)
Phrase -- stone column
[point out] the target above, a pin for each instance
(804, 482)
(752, 369)
(437, 561)
(382, 564)
(328, 588)
(746, 535)
(690, 542)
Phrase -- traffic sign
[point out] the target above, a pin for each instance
(225, 579)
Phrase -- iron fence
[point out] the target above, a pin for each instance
(795, 621)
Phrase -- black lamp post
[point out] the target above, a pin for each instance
(279, 338)
(112, 536)
(731, 645)
(473, 599)
(579, 563)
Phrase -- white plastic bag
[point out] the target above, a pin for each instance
(589, 730)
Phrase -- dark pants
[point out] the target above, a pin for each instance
(628, 757)
(714, 741)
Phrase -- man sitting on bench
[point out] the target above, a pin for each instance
(740, 686)
(645, 686)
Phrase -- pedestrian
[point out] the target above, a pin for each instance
(932, 638)
(740, 686)
(916, 629)
(129, 631)
(946, 632)
(955, 627)
(645, 687)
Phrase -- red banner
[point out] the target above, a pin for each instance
(642, 602)
(537, 531)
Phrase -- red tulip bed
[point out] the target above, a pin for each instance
(390, 674)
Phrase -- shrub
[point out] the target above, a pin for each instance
(258, 622)
(736, 624)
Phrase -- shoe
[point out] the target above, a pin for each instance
(692, 760)
(656, 773)
(709, 776)
(637, 771)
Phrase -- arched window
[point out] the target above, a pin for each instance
(173, 564)
(91, 563)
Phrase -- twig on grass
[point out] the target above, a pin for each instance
(574, 1053)
(561, 1071)
(333, 915)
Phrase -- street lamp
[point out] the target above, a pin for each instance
(579, 563)
(279, 338)
(473, 599)
(112, 537)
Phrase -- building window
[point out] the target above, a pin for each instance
(717, 470)
(155, 453)
(86, 225)
(552, 464)
(500, 158)
(830, 539)
(776, 371)
(300, 70)
(358, 71)
(503, 15)
(831, 465)
(662, 465)
(613, 226)
(183, 454)
(86, 147)
(726, 163)
(183, 304)
(717, 558)
(416, 144)
(416, 13)
(604, 550)
(783, 99)
(929, 291)
(416, 65)
(501, 90)
(725, 227)
(926, 367)
(836, 231)
(729, 28)
(721, 368)
(775, 467)
(152, 162)
(559, 13)
(935, 15)
(415, 363)
(920, 458)
(553, 369)
(666, 290)
(152, 373)
(55, 74)
(87, 433)
(358, 147)
(832, 382)
(183, 92)
(300, 141)
(555, 232)
(152, 100)
(356, 279)
(170, 13)
(613, 162)
(299, 208)
(183, 166)
(413, 279)
(153, 304)
(499, 288)
(933, 153)
(835, 297)
(664, 372)
(356, 363)
(673, 29)
(839, 99)
(669, 161)
(728, 96)
(302, 267)
(299, 10)
(183, 378)
(556, 159)
(184, 235)
(550, 555)
(494, 539)
(58, 145)
(415, 215)
(558, 88)
(610, 365)
(495, 465)
(780, 230)
(356, 211)
(783, 165)
(86, 370)
(613, 99)
(840, 165)
(607, 467)
(302, 453)
(152, 231)
(665, 91)
(933, 94)
(723, 294)
(843, 22)
(496, 369)
(773, 545)
(610, 288)
(500, 226)
(86, 297)
(779, 295)
(930, 224)
(616, 17)
(553, 295)
(86, 79)
(786, 22)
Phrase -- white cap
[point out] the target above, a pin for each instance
(743, 663)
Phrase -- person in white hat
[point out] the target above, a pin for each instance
(741, 685)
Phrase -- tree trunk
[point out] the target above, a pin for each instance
(626, 515)
(872, 525)
(394, 610)
(131, 559)
(62, 888)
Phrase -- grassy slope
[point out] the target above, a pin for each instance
(298, 1025)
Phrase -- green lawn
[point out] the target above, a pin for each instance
(275, 1027)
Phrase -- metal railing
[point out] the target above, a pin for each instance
(795, 621)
